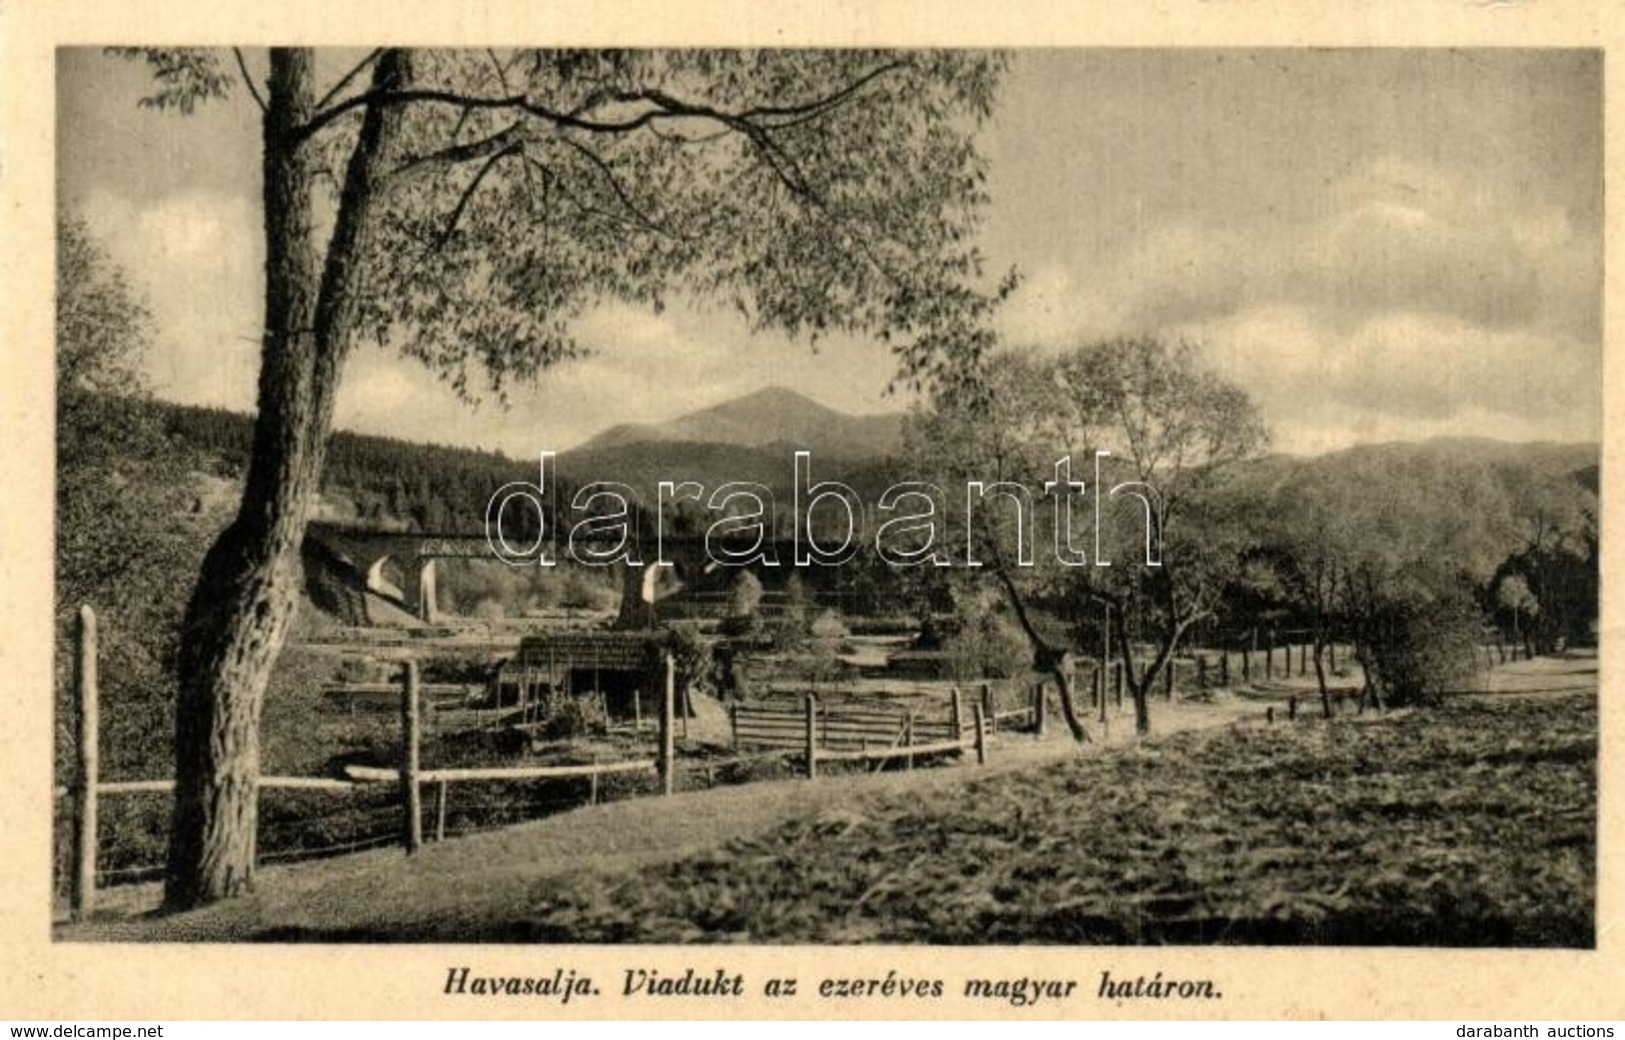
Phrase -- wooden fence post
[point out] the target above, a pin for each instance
(1292, 707)
(82, 899)
(1117, 684)
(1269, 714)
(1303, 659)
(411, 796)
(440, 811)
(1246, 666)
(908, 739)
(688, 709)
(1224, 667)
(1269, 657)
(668, 736)
(1201, 671)
(956, 715)
(987, 704)
(812, 736)
(1041, 708)
(981, 737)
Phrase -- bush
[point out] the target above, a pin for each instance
(1425, 648)
(580, 593)
(576, 717)
(691, 659)
(988, 647)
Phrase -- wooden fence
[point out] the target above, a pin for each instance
(88, 788)
(852, 732)
(374, 698)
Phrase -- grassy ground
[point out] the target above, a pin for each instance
(1470, 827)
(1474, 825)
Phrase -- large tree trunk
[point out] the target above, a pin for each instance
(239, 612)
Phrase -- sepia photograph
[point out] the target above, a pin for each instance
(1068, 496)
(838, 521)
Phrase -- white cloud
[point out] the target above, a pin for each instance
(196, 256)
(1406, 375)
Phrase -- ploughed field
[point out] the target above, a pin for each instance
(1471, 825)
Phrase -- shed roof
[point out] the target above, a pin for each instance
(593, 649)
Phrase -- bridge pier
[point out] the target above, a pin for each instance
(427, 610)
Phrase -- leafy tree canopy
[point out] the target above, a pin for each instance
(814, 192)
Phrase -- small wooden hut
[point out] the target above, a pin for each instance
(622, 672)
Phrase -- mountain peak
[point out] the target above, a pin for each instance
(773, 415)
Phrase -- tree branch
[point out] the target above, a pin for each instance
(462, 152)
(615, 185)
(665, 107)
(468, 193)
(248, 81)
(348, 78)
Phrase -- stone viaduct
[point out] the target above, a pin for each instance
(368, 551)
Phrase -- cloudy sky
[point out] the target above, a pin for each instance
(1379, 245)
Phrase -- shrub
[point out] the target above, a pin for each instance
(1425, 648)
(579, 593)
(988, 647)
(576, 717)
(691, 659)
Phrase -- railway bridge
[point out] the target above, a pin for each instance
(370, 551)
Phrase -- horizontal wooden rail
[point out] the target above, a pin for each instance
(373, 774)
(892, 752)
(278, 783)
(393, 690)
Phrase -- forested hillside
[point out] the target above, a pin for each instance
(379, 480)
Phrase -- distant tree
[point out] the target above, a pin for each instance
(103, 327)
(1313, 558)
(467, 207)
(793, 626)
(1362, 541)
(124, 527)
(1180, 430)
(1513, 595)
(1005, 428)
(1555, 518)
(744, 600)
(1174, 429)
